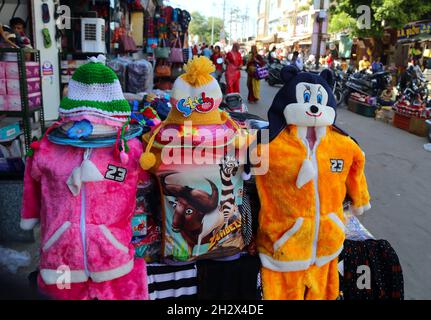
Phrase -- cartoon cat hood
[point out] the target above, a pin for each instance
(306, 99)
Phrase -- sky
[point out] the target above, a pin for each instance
(215, 8)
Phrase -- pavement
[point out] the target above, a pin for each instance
(399, 178)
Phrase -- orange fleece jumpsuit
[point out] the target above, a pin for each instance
(301, 231)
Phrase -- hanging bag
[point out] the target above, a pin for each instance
(162, 52)
(176, 55)
(163, 69)
(261, 72)
(187, 51)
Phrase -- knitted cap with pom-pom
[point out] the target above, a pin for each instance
(196, 95)
(95, 94)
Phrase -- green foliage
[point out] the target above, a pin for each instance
(201, 26)
(395, 14)
(341, 22)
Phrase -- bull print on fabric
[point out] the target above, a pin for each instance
(202, 217)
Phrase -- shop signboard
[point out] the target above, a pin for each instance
(414, 30)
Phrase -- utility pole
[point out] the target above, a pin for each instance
(319, 36)
(212, 26)
(230, 26)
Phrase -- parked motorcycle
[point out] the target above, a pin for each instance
(367, 84)
(340, 78)
(233, 102)
(274, 70)
(412, 85)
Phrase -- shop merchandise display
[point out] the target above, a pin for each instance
(301, 222)
(386, 278)
(172, 282)
(201, 218)
(83, 226)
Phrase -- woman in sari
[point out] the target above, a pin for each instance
(233, 69)
(253, 83)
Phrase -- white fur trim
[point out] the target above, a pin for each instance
(28, 224)
(337, 221)
(357, 211)
(283, 266)
(306, 173)
(113, 273)
(89, 172)
(341, 268)
(321, 261)
(246, 176)
(57, 234)
(51, 276)
(108, 234)
(102, 92)
(289, 233)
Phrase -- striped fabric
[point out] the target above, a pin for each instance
(172, 282)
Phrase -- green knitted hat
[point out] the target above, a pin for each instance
(95, 94)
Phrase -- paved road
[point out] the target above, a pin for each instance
(399, 178)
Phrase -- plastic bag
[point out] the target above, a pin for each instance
(13, 260)
(140, 76)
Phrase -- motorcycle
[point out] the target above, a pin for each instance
(413, 85)
(340, 78)
(233, 102)
(366, 84)
(274, 70)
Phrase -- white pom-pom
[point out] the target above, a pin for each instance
(99, 59)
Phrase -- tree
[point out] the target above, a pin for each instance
(201, 26)
(341, 22)
(394, 14)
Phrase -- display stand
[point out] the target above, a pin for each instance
(27, 111)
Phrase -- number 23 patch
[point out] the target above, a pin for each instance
(115, 173)
(337, 165)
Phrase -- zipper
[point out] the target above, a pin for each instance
(87, 155)
(317, 198)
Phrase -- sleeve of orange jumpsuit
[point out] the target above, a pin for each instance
(357, 187)
(30, 212)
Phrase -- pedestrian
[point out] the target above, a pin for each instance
(330, 61)
(297, 61)
(233, 69)
(364, 64)
(377, 65)
(195, 50)
(206, 52)
(253, 83)
(272, 55)
(218, 59)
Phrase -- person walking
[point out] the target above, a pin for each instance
(233, 69)
(218, 60)
(253, 83)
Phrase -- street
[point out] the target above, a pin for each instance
(399, 179)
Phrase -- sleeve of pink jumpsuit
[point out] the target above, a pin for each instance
(30, 212)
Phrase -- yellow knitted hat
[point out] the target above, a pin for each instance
(196, 95)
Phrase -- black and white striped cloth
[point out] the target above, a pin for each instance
(169, 282)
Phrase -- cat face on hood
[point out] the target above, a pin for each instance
(305, 100)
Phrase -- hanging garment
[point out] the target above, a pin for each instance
(386, 278)
(229, 280)
(168, 282)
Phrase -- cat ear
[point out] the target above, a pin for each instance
(288, 73)
(327, 75)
